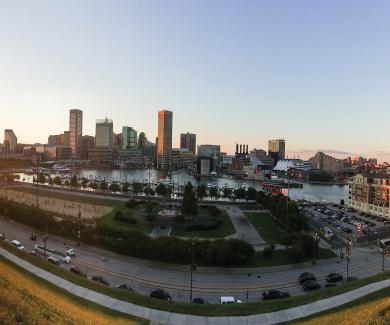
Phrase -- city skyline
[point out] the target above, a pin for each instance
(249, 66)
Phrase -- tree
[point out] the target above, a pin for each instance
(189, 203)
(114, 187)
(161, 189)
(103, 185)
(50, 180)
(125, 187)
(73, 181)
(57, 180)
(227, 192)
(84, 182)
(201, 191)
(251, 194)
(137, 187)
(41, 179)
(94, 185)
(240, 193)
(149, 191)
(213, 192)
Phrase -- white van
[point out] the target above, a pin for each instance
(17, 244)
(230, 300)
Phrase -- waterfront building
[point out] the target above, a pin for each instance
(324, 162)
(263, 157)
(277, 149)
(63, 152)
(206, 165)
(182, 158)
(10, 141)
(131, 158)
(87, 143)
(188, 141)
(75, 131)
(164, 139)
(284, 165)
(54, 140)
(142, 141)
(209, 151)
(101, 156)
(104, 136)
(66, 138)
(370, 193)
(129, 138)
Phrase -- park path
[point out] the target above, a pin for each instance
(244, 228)
(158, 317)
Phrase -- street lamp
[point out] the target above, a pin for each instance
(315, 241)
(348, 255)
(192, 268)
(37, 180)
(78, 226)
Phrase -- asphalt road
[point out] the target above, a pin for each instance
(144, 276)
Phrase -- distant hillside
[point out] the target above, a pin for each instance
(27, 300)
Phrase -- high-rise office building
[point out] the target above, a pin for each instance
(10, 141)
(164, 140)
(76, 131)
(129, 138)
(188, 141)
(67, 138)
(277, 149)
(142, 140)
(104, 133)
(88, 143)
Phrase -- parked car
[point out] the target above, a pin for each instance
(229, 300)
(306, 276)
(160, 294)
(71, 252)
(99, 279)
(274, 294)
(200, 301)
(334, 277)
(53, 260)
(17, 244)
(77, 270)
(311, 285)
(123, 286)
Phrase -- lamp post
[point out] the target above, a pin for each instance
(191, 268)
(348, 256)
(315, 239)
(45, 236)
(78, 226)
(37, 180)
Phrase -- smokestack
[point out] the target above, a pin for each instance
(240, 148)
(236, 147)
(247, 150)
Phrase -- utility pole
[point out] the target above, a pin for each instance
(191, 268)
(288, 193)
(315, 238)
(37, 181)
(78, 226)
(45, 236)
(348, 256)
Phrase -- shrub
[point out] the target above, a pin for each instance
(118, 216)
(268, 251)
(150, 217)
(215, 211)
(132, 204)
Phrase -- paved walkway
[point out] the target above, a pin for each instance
(244, 228)
(169, 318)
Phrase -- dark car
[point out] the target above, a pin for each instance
(77, 270)
(160, 294)
(306, 276)
(100, 279)
(200, 301)
(334, 277)
(123, 286)
(274, 294)
(311, 285)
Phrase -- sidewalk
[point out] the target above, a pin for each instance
(169, 318)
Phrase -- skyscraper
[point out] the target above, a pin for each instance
(10, 140)
(104, 133)
(76, 131)
(129, 138)
(164, 139)
(188, 141)
(277, 149)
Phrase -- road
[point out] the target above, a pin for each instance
(144, 276)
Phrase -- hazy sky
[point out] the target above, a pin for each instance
(314, 72)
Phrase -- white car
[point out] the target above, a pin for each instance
(71, 252)
(230, 300)
(17, 244)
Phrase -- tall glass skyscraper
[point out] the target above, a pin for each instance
(76, 132)
(129, 138)
(164, 139)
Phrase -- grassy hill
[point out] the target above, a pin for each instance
(25, 299)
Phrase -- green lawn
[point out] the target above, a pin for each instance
(196, 309)
(225, 229)
(265, 226)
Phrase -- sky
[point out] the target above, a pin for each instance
(316, 73)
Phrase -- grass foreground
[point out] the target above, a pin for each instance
(26, 299)
(197, 309)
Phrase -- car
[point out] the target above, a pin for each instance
(71, 252)
(274, 294)
(229, 300)
(76, 270)
(53, 260)
(123, 286)
(100, 279)
(334, 277)
(17, 244)
(311, 285)
(306, 276)
(200, 301)
(160, 294)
